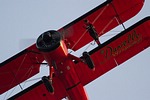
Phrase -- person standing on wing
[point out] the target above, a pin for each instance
(92, 31)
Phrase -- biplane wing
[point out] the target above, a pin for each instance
(116, 51)
(19, 68)
(39, 92)
(105, 57)
(104, 17)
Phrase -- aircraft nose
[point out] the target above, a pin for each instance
(48, 41)
(47, 37)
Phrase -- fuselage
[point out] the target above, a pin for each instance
(57, 56)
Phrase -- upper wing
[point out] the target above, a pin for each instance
(19, 68)
(39, 92)
(104, 17)
(116, 51)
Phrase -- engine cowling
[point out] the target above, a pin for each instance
(48, 41)
(52, 46)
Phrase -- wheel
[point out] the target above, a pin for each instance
(88, 60)
(48, 84)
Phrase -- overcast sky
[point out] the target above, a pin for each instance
(22, 20)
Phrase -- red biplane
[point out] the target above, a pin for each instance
(68, 73)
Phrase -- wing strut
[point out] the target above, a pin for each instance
(118, 17)
(91, 23)
(18, 84)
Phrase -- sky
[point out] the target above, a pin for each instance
(22, 20)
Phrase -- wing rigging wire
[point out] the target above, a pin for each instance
(103, 31)
(92, 23)
(31, 68)
(28, 73)
(33, 78)
(118, 19)
(21, 87)
(106, 26)
(16, 74)
(24, 83)
(93, 42)
(115, 17)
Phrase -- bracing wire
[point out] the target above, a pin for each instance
(32, 79)
(93, 43)
(92, 23)
(22, 87)
(16, 74)
(117, 18)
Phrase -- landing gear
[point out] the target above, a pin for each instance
(48, 84)
(88, 60)
(48, 80)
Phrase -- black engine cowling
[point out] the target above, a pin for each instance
(48, 41)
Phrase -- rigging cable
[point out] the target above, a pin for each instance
(118, 17)
(16, 75)
(92, 23)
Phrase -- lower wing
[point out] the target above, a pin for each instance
(19, 68)
(39, 92)
(116, 51)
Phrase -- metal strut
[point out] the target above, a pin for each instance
(118, 17)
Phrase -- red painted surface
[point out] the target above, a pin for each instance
(103, 19)
(116, 52)
(58, 55)
(78, 93)
(65, 72)
(20, 67)
(41, 93)
(70, 82)
(70, 77)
